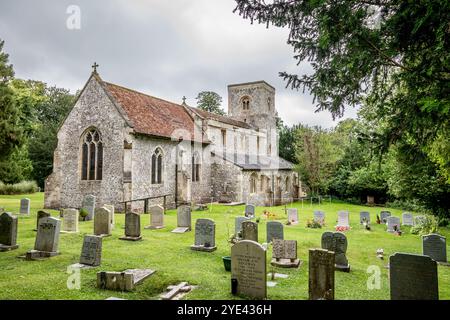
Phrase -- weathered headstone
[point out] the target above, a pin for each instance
(248, 270)
(183, 220)
(91, 253)
(89, 205)
(337, 242)
(238, 225)
(47, 239)
(205, 235)
(274, 231)
(435, 246)
(407, 219)
(102, 222)
(25, 206)
(364, 216)
(321, 274)
(391, 223)
(250, 231)
(384, 215)
(8, 232)
(249, 211)
(41, 214)
(70, 220)
(110, 207)
(319, 215)
(122, 281)
(419, 219)
(132, 227)
(292, 215)
(156, 218)
(284, 254)
(343, 219)
(413, 277)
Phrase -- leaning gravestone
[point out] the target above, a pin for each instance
(274, 231)
(156, 218)
(89, 205)
(132, 227)
(343, 219)
(47, 239)
(183, 220)
(284, 254)
(319, 215)
(337, 242)
(391, 223)
(292, 215)
(25, 206)
(384, 215)
(250, 211)
(435, 246)
(205, 235)
(70, 220)
(41, 214)
(250, 231)
(8, 232)
(91, 253)
(238, 225)
(321, 274)
(413, 277)
(111, 210)
(407, 219)
(364, 216)
(248, 270)
(102, 222)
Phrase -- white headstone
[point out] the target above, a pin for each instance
(292, 215)
(391, 222)
(70, 220)
(407, 219)
(343, 219)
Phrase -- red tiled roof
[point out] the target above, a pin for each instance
(224, 119)
(150, 115)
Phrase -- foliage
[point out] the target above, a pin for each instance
(83, 213)
(427, 225)
(24, 187)
(210, 101)
(17, 166)
(315, 224)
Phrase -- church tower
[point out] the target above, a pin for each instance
(254, 103)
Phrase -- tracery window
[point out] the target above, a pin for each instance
(157, 166)
(92, 155)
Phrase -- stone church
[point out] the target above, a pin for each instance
(119, 145)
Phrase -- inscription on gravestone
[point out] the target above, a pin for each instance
(321, 274)
(132, 227)
(250, 231)
(47, 239)
(384, 215)
(91, 253)
(274, 231)
(41, 214)
(205, 230)
(284, 254)
(364, 215)
(292, 215)
(391, 223)
(435, 246)
(337, 242)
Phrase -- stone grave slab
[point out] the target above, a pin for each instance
(122, 281)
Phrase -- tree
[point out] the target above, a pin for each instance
(210, 101)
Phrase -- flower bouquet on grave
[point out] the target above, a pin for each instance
(378, 219)
(342, 228)
(315, 224)
(397, 231)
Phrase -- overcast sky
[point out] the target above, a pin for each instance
(168, 49)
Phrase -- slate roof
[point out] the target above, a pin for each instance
(261, 163)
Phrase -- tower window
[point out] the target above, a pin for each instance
(245, 103)
(269, 101)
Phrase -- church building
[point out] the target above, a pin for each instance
(120, 145)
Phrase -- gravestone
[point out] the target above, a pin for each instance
(413, 277)
(132, 227)
(111, 210)
(205, 235)
(343, 219)
(70, 220)
(274, 231)
(176, 292)
(248, 270)
(337, 242)
(364, 215)
(8, 232)
(25, 206)
(250, 231)
(183, 220)
(284, 254)
(47, 239)
(321, 274)
(89, 205)
(102, 222)
(407, 219)
(41, 214)
(391, 222)
(91, 253)
(319, 215)
(384, 215)
(292, 215)
(435, 246)
(238, 225)
(156, 218)
(250, 211)
(122, 281)
(419, 219)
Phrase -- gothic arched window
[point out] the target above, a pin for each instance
(253, 182)
(245, 103)
(157, 166)
(195, 167)
(92, 155)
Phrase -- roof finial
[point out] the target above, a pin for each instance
(94, 67)
(184, 100)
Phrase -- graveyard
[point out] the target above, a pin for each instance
(174, 260)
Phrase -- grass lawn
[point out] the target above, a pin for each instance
(170, 256)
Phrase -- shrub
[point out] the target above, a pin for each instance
(315, 224)
(427, 225)
(23, 187)
(83, 213)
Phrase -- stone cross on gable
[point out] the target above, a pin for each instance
(184, 100)
(94, 67)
